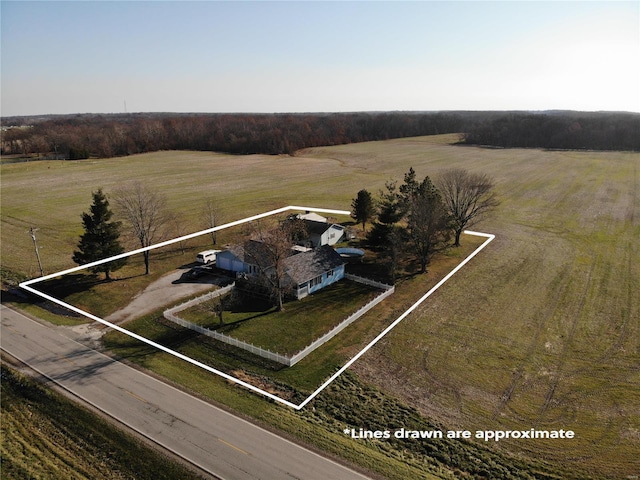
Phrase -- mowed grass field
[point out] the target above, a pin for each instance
(541, 330)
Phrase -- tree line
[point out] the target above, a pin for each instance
(89, 135)
(558, 130)
(419, 218)
(82, 136)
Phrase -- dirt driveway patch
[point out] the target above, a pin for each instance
(164, 291)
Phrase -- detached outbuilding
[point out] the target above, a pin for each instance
(322, 233)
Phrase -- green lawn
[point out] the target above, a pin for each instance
(289, 331)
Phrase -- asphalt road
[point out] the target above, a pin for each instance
(218, 442)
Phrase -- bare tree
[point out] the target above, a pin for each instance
(178, 228)
(217, 305)
(211, 217)
(468, 196)
(268, 251)
(145, 212)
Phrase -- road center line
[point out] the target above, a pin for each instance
(136, 396)
(233, 446)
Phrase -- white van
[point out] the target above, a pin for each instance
(208, 256)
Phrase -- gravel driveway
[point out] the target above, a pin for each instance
(163, 292)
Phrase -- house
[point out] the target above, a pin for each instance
(323, 233)
(305, 272)
(311, 271)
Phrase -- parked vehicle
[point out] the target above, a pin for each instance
(208, 256)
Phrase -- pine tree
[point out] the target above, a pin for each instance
(363, 208)
(100, 239)
(428, 222)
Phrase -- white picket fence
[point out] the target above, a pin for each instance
(170, 315)
(345, 323)
(200, 299)
(230, 340)
(368, 281)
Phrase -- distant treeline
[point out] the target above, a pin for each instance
(561, 130)
(91, 135)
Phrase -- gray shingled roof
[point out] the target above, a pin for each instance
(316, 227)
(252, 252)
(305, 266)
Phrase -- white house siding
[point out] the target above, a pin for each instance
(326, 279)
(332, 235)
(324, 234)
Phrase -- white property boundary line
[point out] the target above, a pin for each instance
(27, 286)
(489, 237)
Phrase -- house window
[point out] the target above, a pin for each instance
(330, 273)
(315, 281)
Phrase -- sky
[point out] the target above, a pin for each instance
(329, 56)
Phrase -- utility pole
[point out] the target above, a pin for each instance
(35, 245)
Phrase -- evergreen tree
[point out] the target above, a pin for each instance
(100, 239)
(428, 223)
(363, 208)
(412, 219)
(409, 188)
(390, 206)
(389, 212)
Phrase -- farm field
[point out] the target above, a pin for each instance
(539, 331)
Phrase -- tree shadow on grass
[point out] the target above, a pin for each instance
(189, 266)
(229, 358)
(248, 304)
(230, 327)
(66, 285)
(124, 278)
(20, 297)
(172, 336)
